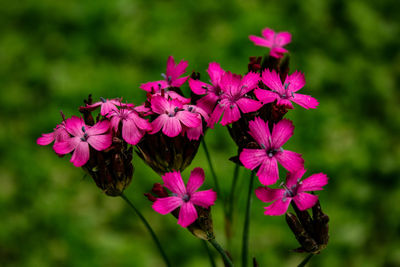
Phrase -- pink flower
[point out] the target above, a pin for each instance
(185, 197)
(107, 105)
(82, 136)
(294, 189)
(59, 135)
(196, 132)
(212, 92)
(284, 93)
(271, 151)
(172, 116)
(234, 98)
(133, 126)
(273, 40)
(171, 79)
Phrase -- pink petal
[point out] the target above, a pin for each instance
(278, 52)
(159, 104)
(247, 105)
(194, 133)
(167, 204)
(158, 123)
(260, 41)
(281, 133)
(207, 102)
(215, 72)
(188, 118)
(283, 38)
(305, 200)
(284, 102)
(294, 177)
(315, 182)
(175, 72)
(268, 34)
(140, 122)
(65, 147)
(175, 96)
(114, 122)
(187, 214)
(273, 81)
(45, 139)
(268, 172)
(100, 142)
(296, 81)
(291, 161)
(154, 86)
(131, 133)
(252, 158)
(277, 208)
(107, 107)
(173, 181)
(266, 194)
(305, 101)
(172, 127)
(216, 114)
(204, 198)
(98, 128)
(198, 87)
(74, 126)
(179, 82)
(231, 114)
(81, 154)
(249, 82)
(265, 96)
(259, 130)
(196, 179)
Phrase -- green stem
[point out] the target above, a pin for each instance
(212, 262)
(246, 227)
(155, 239)
(304, 262)
(225, 257)
(230, 205)
(211, 168)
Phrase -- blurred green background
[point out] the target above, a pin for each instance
(54, 53)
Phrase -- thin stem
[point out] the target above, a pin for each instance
(246, 227)
(230, 205)
(225, 257)
(304, 262)
(153, 235)
(212, 261)
(211, 167)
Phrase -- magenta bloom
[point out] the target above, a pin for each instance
(172, 116)
(234, 98)
(171, 79)
(107, 105)
(284, 93)
(212, 92)
(196, 132)
(271, 151)
(82, 136)
(185, 197)
(133, 126)
(59, 135)
(293, 189)
(273, 40)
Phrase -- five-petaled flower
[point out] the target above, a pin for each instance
(185, 197)
(284, 93)
(270, 151)
(172, 116)
(96, 136)
(234, 98)
(294, 189)
(273, 40)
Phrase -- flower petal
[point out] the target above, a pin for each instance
(131, 133)
(283, 38)
(65, 147)
(45, 139)
(249, 81)
(196, 179)
(158, 123)
(179, 82)
(266, 194)
(266, 96)
(81, 154)
(268, 34)
(100, 142)
(305, 200)
(231, 114)
(247, 105)
(153, 87)
(187, 214)
(74, 126)
(198, 87)
(159, 104)
(259, 130)
(277, 208)
(314, 183)
(215, 72)
(295, 81)
(305, 101)
(204, 198)
(172, 127)
(188, 118)
(268, 172)
(173, 181)
(291, 161)
(98, 128)
(252, 158)
(273, 81)
(281, 133)
(167, 204)
(260, 41)
(215, 115)
(294, 177)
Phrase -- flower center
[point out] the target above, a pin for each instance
(186, 197)
(103, 99)
(290, 191)
(85, 135)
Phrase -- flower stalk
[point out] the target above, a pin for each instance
(214, 175)
(246, 227)
(227, 261)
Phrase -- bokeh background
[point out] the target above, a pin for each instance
(54, 53)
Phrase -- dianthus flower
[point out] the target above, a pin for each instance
(273, 40)
(195, 132)
(82, 136)
(234, 98)
(284, 93)
(58, 135)
(185, 197)
(270, 151)
(294, 189)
